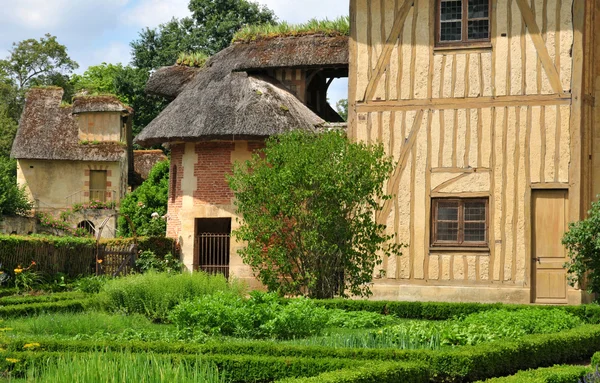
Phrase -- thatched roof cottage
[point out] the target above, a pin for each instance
(68, 154)
(220, 114)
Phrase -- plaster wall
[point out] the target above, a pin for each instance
(100, 126)
(60, 184)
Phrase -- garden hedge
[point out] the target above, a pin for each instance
(69, 255)
(382, 372)
(590, 313)
(236, 368)
(25, 299)
(462, 364)
(596, 359)
(30, 309)
(556, 374)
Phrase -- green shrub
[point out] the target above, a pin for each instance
(596, 359)
(148, 261)
(30, 309)
(358, 319)
(442, 310)
(261, 316)
(92, 284)
(122, 367)
(556, 374)
(234, 369)
(25, 299)
(386, 372)
(156, 294)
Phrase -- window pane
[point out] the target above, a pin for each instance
(475, 211)
(447, 231)
(474, 231)
(479, 9)
(447, 211)
(479, 29)
(451, 10)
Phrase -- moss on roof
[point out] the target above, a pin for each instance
(337, 27)
(194, 60)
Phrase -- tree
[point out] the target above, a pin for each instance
(342, 108)
(218, 20)
(209, 30)
(30, 59)
(141, 205)
(582, 240)
(128, 84)
(308, 207)
(13, 199)
(8, 131)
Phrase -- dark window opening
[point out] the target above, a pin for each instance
(459, 222)
(212, 245)
(463, 22)
(87, 226)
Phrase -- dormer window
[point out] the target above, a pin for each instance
(462, 22)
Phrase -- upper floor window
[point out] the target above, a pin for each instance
(462, 22)
(460, 222)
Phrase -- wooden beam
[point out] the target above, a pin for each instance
(540, 46)
(464, 103)
(394, 181)
(386, 54)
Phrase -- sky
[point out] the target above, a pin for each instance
(97, 31)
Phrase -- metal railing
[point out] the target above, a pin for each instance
(212, 253)
(84, 196)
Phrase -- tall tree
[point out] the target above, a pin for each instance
(31, 59)
(209, 30)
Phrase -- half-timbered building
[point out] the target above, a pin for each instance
(488, 107)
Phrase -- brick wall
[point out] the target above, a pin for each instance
(214, 163)
(175, 192)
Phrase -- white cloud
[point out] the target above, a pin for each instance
(151, 13)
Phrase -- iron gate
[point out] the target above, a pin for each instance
(212, 253)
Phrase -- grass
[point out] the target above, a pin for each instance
(121, 367)
(155, 295)
(195, 60)
(336, 27)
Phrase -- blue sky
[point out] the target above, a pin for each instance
(97, 31)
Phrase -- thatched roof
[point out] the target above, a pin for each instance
(103, 103)
(49, 131)
(144, 161)
(309, 51)
(233, 106)
(170, 81)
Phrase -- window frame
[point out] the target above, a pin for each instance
(461, 223)
(465, 42)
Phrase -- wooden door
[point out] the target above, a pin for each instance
(549, 223)
(98, 185)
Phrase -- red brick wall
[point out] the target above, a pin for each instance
(214, 163)
(175, 192)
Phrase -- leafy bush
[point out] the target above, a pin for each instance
(148, 261)
(584, 250)
(556, 374)
(91, 285)
(261, 316)
(591, 377)
(484, 327)
(309, 207)
(358, 319)
(379, 373)
(156, 294)
(151, 197)
(13, 199)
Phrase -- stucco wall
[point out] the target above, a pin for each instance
(50, 182)
(100, 126)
